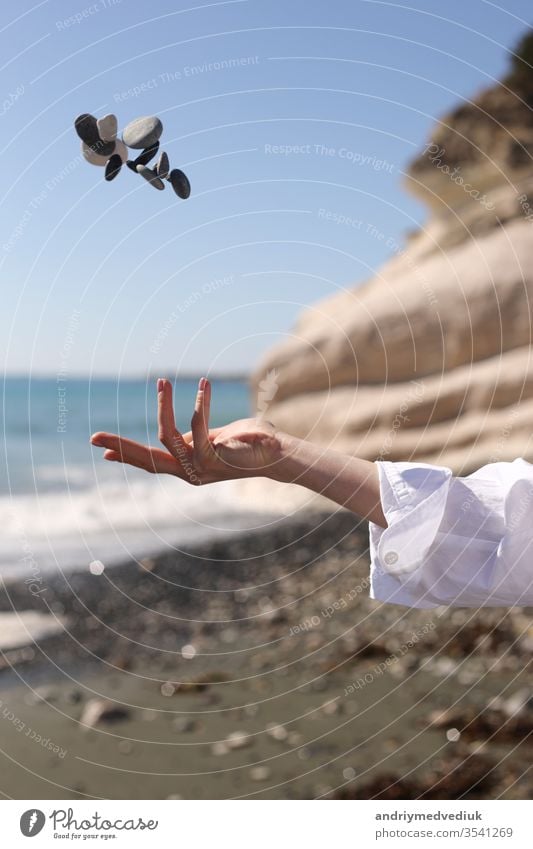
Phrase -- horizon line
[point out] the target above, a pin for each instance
(186, 375)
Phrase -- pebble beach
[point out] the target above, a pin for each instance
(259, 668)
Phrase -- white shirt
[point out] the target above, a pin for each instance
(466, 542)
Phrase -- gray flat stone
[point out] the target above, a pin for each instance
(162, 166)
(107, 127)
(92, 157)
(150, 176)
(121, 150)
(143, 132)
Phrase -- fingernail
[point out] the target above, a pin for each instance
(203, 383)
(159, 384)
(95, 439)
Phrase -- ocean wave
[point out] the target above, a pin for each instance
(114, 519)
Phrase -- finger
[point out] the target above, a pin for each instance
(154, 460)
(169, 435)
(200, 419)
(213, 433)
(136, 454)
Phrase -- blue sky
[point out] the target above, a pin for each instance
(279, 113)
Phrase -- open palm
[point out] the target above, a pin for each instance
(244, 448)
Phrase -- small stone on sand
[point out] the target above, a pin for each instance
(238, 740)
(101, 710)
(260, 773)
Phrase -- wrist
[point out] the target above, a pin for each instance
(288, 463)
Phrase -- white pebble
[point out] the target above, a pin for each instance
(188, 652)
(260, 773)
(453, 734)
(278, 732)
(238, 740)
(96, 567)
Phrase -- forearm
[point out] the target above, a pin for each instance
(349, 481)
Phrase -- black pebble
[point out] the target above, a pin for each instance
(147, 155)
(87, 129)
(180, 183)
(113, 167)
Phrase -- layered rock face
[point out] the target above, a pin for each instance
(431, 359)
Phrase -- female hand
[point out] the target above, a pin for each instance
(245, 448)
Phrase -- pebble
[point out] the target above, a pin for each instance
(180, 183)
(87, 129)
(150, 176)
(260, 773)
(101, 710)
(219, 748)
(121, 150)
(520, 702)
(331, 708)
(168, 689)
(238, 740)
(163, 166)
(277, 732)
(93, 158)
(143, 132)
(107, 127)
(229, 635)
(147, 155)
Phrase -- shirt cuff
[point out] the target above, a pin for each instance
(413, 499)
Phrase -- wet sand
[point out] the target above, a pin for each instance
(261, 669)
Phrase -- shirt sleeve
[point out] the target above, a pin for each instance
(464, 542)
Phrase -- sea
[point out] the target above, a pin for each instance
(63, 507)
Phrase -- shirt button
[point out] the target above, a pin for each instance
(391, 557)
